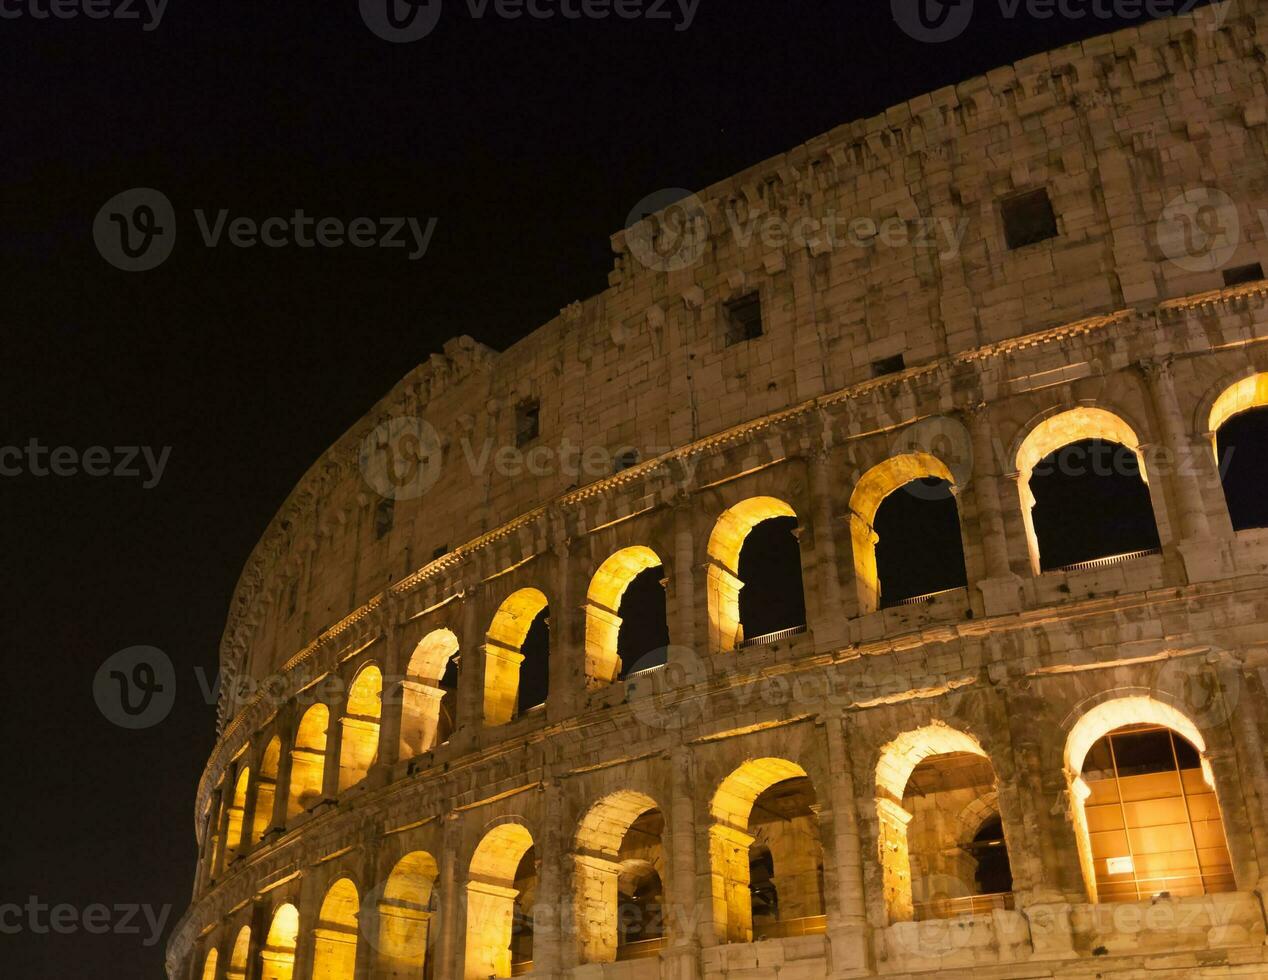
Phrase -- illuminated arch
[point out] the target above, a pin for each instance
(726, 542)
(1101, 720)
(1242, 396)
(405, 913)
(1055, 432)
(308, 761)
(423, 725)
(266, 790)
(239, 959)
(210, 964)
(335, 945)
(237, 813)
(869, 493)
(603, 603)
(359, 741)
(491, 895)
(597, 870)
(898, 759)
(503, 655)
(277, 957)
(730, 842)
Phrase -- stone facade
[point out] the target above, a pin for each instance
(343, 835)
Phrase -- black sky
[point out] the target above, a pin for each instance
(529, 141)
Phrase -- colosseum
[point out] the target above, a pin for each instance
(591, 658)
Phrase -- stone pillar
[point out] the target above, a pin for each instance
(334, 743)
(549, 915)
(282, 792)
(567, 638)
(682, 599)
(452, 902)
(829, 622)
(848, 933)
(596, 897)
(1199, 551)
(470, 672)
(220, 816)
(1001, 589)
(683, 901)
(1254, 772)
(402, 946)
(892, 821)
(729, 883)
(392, 699)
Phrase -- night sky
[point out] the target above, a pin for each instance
(528, 140)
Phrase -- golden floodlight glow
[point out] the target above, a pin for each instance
(502, 657)
(308, 760)
(603, 603)
(359, 744)
(1250, 392)
(335, 938)
(277, 958)
(491, 895)
(405, 914)
(421, 693)
(724, 583)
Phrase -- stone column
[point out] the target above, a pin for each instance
(334, 743)
(848, 932)
(393, 698)
(1199, 551)
(549, 915)
(1254, 776)
(729, 883)
(683, 901)
(282, 792)
(567, 637)
(1001, 589)
(470, 672)
(830, 622)
(682, 581)
(452, 902)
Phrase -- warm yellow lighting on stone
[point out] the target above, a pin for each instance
(266, 790)
(1250, 392)
(491, 895)
(277, 958)
(869, 493)
(502, 656)
(724, 585)
(209, 965)
(405, 917)
(421, 694)
(308, 760)
(1056, 432)
(359, 744)
(603, 601)
(239, 959)
(237, 810)
(335, 938)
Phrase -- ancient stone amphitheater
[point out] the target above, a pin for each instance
(586, 659)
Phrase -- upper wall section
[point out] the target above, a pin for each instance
(1114, 129)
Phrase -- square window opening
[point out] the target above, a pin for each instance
(1243, 273)
(527, 421)
(1028, 218)
(743, 319)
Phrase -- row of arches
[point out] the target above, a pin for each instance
(1146, 820)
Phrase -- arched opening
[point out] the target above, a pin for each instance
(754, 580)
(905, 531)
(335, 938)
(210, 964)
(1239, 420)
(1083, 491)
(620, 869)
(500, 891)
(405, 914)
(237, 814)
(266, 790)
(359, 746)
(941, 837)
(517, 657)
(429, 694)
(308, 761)
(625, 616)
(239, 960)
(1146, 813)
(277, 957)
(766, 854)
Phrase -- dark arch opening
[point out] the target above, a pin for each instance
(770, 568)
(522, 911)
(1090, 502)
(994, 873)
(448, 719)
(535, 670)
(1242, 443)
(644, 633)
(919, 550)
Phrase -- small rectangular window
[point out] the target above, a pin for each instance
(743, 319)
(626, 459)
(1028, 218)
(527, 421)
(440, 552)
(1243, 273)
(384, 518)
(888, 365)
